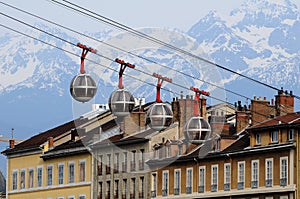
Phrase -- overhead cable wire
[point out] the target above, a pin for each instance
(131, 53)
(153, 39)
(114, 70)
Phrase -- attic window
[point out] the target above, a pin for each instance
(258, 139)
(291, 134)
(274, 136)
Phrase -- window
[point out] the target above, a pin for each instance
(214, 178)
(283, 171)
(60, 173)
(71, 197)
(49, 174)
(154, 184)
(177, 182)
(71, 172)
(60, 197)
(291, 134)
(189, 180)
(15, 180)
(133, 160)
(168, 151)
(254, 173)
(180, 150)
(241, 175)
(30, 178)
(100, 165)
(274, 136)
(82, 171)
(142, 160)
(108, 162)
(226, 177)
(133, 187)
(125, 189)
(269, 172)
(117, 188)
(39, 179)
(22, 179)
(82, 197)
(201, 179)
(108, 189)
(117, 162)
(124, 164)
(258, 138)
(165, 183)
(142, 188)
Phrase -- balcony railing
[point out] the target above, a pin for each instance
(124, 167)
(164, 192)
(116, 168)
(214, 188)
(188, 190)
(153, 194)
(132, 166)
(227, 187)
(240, 185)
(283, 181)
(176, 191)
(141, 165)
(269, 183)
(107, 169)
(254, 184)
(201, 189)
(141, 195)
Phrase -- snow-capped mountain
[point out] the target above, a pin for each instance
(260, 39)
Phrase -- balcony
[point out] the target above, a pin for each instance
(153, 194)
(99, 170)
(124, 167)
(254, 184)
(188, 190)
(176, 191)
(141, 195)
(107, 169)
(227, 187)
(213, 188)
(141, 165)
(132, 196)
(132, 166)
(164, 192)
(269, 183)
(116, 168)
(240, 185)
(283, 181)
(201, 189)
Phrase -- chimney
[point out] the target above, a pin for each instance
(261, 110)
(284, 103)
(11, 143)
(242, 120)
(50, 142)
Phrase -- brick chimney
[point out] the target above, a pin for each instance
(11, 143)
(261, 110)
(284, 103)
(50, 142)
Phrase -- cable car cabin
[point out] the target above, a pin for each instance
(121, 102)
(83, 88)
(159, 116)
(197, 130)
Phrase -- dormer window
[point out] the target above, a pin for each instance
(291, 134)
(274, 136)
(258, 138)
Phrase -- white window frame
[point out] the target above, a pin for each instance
(37, 176)
(204, 176)
(79, 167)
(268, 176)
(69, 176)
(253, 176)
(273, 133)
(15, 182)
(241, 174)
(32, 183)
(23, 171)
(227, 178)
(168, 151)
(189, 178)
(52, 174)
(177, 181)
(258, 139)
(58, 173)
(287, 167)
(212, 175)
(291, 132)
(165, 182)
(82, 195)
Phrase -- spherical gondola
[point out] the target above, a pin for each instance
(197, 130)
(83, 88)
(121, 102)
(159, 116)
